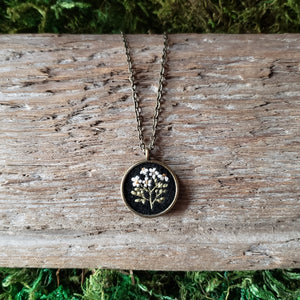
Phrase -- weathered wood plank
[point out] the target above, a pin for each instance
(229, 129)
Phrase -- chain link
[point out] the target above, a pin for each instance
(136, 98)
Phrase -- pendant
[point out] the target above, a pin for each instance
(149, 188)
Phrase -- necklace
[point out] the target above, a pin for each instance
(149, 188)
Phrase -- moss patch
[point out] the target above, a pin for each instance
(113, 284)
(174, 16)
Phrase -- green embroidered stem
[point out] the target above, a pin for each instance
(146, 186)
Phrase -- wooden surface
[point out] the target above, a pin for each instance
(229, 128)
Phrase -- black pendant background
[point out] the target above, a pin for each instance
(144, 209)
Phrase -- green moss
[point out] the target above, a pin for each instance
(174, 16)
(111, 284)
(103, 16)
(38, 284)
(227, 16)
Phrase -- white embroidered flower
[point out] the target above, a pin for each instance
(147, 182)
(144, 171)
(136, 181)
(153, 173)
(163, 177)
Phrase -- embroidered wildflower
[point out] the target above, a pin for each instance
(147, 182)
(144, 171)
(153, 173)
(136, 181)
(149, 186)
(163, 177)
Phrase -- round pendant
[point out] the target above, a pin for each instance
(149, 188)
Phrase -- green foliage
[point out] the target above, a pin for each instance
(106, 284)
(229, 16)
(31, 284)
(103, 16)
(100, 284)
(246, 285)
(71, 16)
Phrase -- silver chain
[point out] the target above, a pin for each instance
(136, 98)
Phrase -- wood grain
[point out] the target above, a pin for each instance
(229, 128)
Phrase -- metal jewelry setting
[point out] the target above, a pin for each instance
(149, 188)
